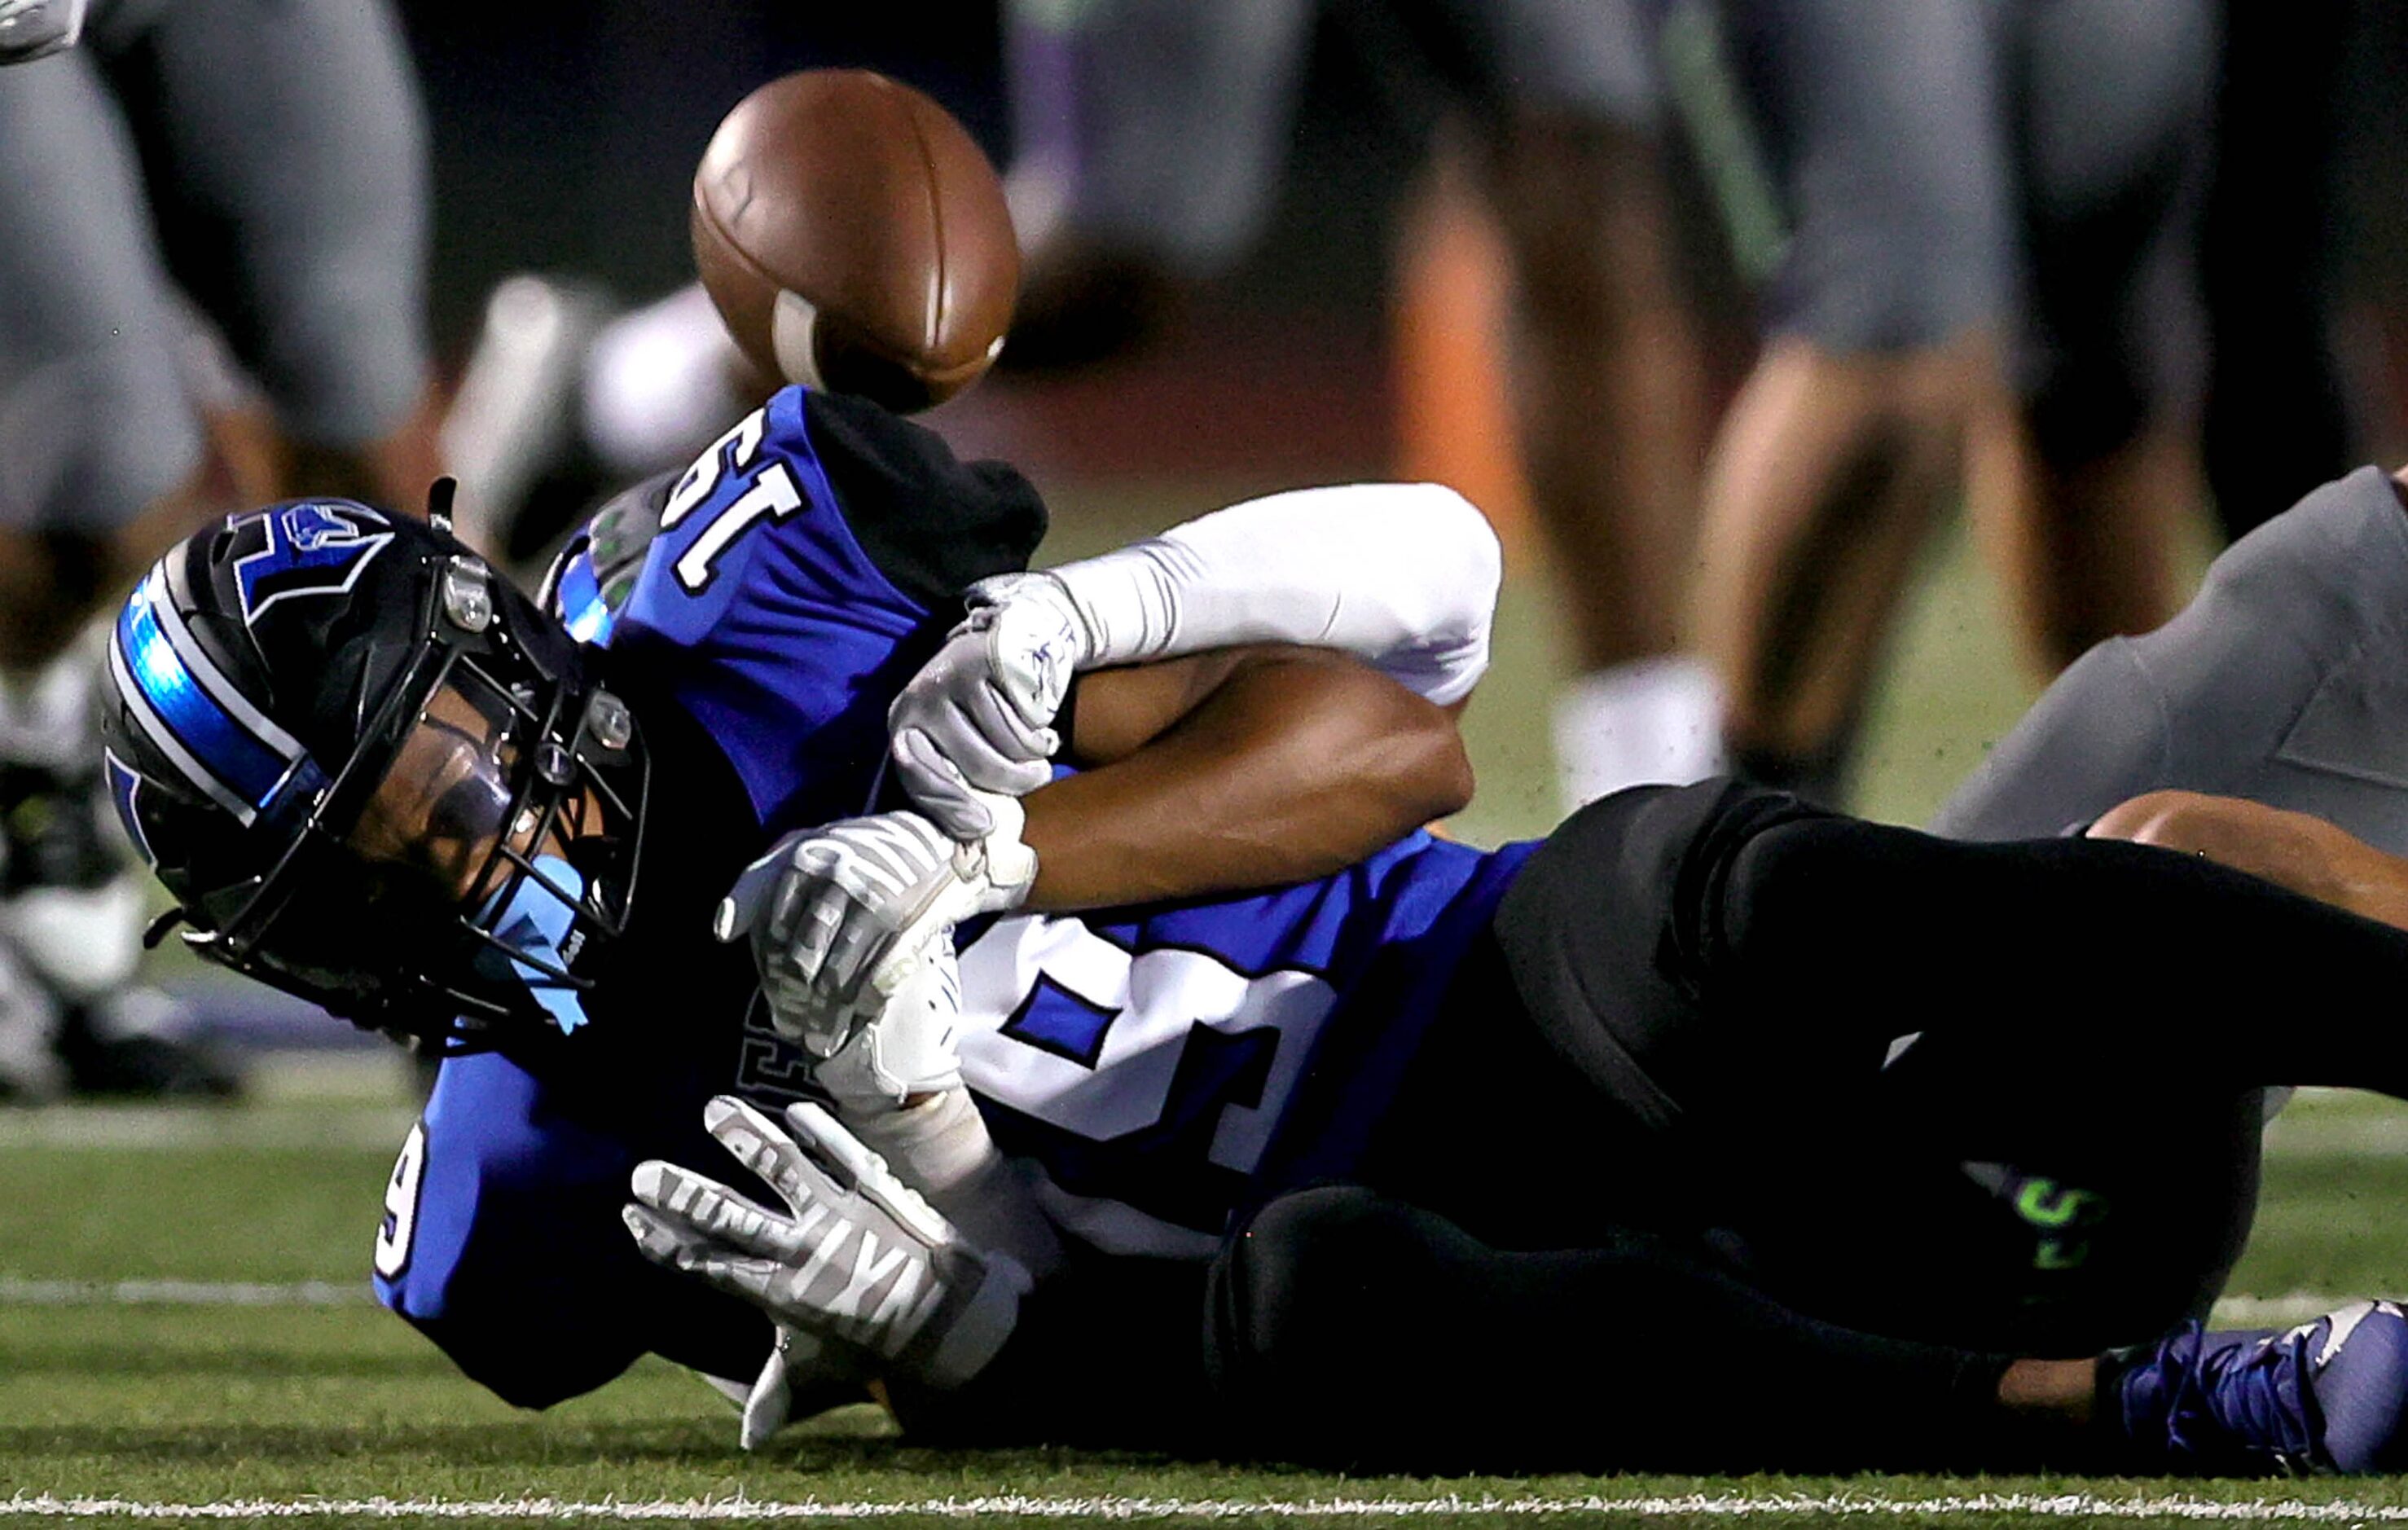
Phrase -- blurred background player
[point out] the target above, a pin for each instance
(263, 162)
(1987, 281)
(1151, 136)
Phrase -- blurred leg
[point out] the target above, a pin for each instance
(1824, 481)
(297, 212)
(101, 467)
(1608, 396)
(2112, 116)
(100, 455)
(2085, 547)
(1606, 380)
(1883, 119)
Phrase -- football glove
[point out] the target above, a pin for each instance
(905, 1051)
(32, 29)
(978, 718)
(842, 918)
(856, 1257)
(803, 1377)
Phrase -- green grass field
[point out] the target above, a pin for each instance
(184, 1331)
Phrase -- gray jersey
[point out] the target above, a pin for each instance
(294, 213)
(2285, 681)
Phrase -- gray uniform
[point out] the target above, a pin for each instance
(2285, 681)
(2029, 167)
(290, 202)
(1170, 118)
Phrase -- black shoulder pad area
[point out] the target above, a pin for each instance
(932, 523)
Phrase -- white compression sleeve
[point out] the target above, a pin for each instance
(1402, 575)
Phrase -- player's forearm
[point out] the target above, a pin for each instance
(2293, 850)
(1403, 576)
(1295, 767)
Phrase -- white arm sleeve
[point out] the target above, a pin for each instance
(1402, 575)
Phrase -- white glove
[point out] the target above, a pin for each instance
(978, 718)
(32, 29)
(803, 1377)
(842, 917)
(908, 1049)
(858, 1257)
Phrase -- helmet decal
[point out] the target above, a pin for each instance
(225, 746)
(313, 549)
(126, 789)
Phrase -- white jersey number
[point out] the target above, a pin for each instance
(401, 1205)
(1065, 1027)
(771, 495)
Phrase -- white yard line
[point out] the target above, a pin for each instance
(17, 1291)
(2034, 1505)
(2280, 1311)
(23, 1290)
(162, 1128)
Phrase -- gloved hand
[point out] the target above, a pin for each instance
(978, 718)
(907, 1050)
(803, 1377)
(842, 918)
(32, 29)
(857, 1258)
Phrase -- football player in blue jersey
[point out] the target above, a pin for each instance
(1220, 1107)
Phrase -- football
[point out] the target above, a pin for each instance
(854, 237)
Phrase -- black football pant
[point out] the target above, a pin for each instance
(1760, 1115)
(1351, 1330)
(1996, 1095)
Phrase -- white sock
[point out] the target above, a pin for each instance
(82, 942)
(1654, 720)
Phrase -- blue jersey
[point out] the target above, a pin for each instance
(1159, 1068)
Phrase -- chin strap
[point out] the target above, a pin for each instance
(534, 923)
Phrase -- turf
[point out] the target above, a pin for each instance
(110, 1405)
(165, 1404)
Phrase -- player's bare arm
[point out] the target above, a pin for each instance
(1242, 768)
(2295, 851)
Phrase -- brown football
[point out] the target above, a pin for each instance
(855, 238)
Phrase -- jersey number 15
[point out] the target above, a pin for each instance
(766, 492)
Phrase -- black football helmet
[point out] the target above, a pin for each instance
(372, 772)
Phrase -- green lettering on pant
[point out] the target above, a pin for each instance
(2043, 1205)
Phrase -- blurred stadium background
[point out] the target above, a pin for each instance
(182, 1306)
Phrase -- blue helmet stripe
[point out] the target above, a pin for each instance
(138, 704)
(214, 746)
